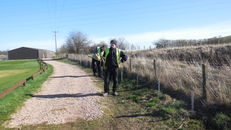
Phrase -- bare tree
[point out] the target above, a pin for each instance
(92, 47)
(3, 52)
(123, 43)
(77, 42)
(133, 47)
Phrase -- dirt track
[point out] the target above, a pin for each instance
(68, 95)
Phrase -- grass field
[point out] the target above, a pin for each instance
(14, 100)
(14, 71)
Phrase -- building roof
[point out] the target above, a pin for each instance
(29, 48)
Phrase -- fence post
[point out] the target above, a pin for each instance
(81, 61)
(137, 80)
(130, 65)
(204, 82)
(121, 74)
(192, 101)
(40, 64)
(24, 83)
(158, 88)
(154, 65)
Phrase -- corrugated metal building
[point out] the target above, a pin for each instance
(29, 53)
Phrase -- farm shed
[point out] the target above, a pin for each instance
(29, 53)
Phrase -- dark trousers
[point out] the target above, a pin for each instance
(96, 67)
(110, 74)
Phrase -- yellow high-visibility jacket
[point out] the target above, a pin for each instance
(117, 56)
(98, 55)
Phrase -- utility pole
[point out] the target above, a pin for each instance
(55, 41)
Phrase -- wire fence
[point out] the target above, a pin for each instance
(194, 83)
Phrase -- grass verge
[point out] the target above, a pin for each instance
(14, 100)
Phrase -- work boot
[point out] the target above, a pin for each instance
(105, 94)
(115, 93)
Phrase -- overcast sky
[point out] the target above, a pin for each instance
(31, 23)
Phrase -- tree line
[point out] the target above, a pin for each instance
(3, 52)
(164, 43)
(78, 43)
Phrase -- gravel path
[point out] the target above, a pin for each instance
(68, 95)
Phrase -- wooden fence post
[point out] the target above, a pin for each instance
(130, 65)
(154, 66)
(192, 101)
(43, 67)
(158, 94)
(24, 83)
(40, 64)
(121, 74)
(137, 80)
(204, 82)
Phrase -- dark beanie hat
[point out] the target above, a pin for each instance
(113, 42)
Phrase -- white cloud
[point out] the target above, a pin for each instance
(221, 29)
(141, 39)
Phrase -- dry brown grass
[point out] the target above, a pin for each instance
(180, 76)
(216, 55)
(180, 69)
(185, 77)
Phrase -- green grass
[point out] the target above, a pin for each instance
(221, 121)
(14, 100)
(14, 71)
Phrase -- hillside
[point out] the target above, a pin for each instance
(215, 55)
